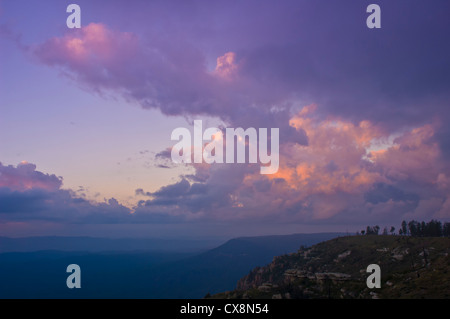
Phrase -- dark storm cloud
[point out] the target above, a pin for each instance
(381, 193)
(29, 195)
(319, 51)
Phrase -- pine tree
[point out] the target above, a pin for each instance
(404, 228)
(392, 231)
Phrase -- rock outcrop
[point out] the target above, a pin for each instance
(410, 268)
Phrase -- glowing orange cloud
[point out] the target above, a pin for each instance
(226, 66)
(340, 159)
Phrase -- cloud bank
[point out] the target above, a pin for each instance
(362, 113)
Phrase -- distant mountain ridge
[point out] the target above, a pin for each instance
(143, 274)
(98, 244)
(271, 245)
(227, 263)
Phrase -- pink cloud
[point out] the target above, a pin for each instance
(29, 195)
(25, 177)
(226, 66)
(91, 44)
(324, 178)
(94, 53)
(414, 156)
(337, 175)
(157, 72)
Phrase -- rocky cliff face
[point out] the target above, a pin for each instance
(410, 268)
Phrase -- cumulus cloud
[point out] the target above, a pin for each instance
(156, 75)
(376, 145)
(303, 51)
(30, 195)
(226, 66)
(302, 54)
(172, 77)
(337, 176)
(25, 177)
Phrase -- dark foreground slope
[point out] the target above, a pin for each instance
(410, 268)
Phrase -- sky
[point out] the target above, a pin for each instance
(86, 116)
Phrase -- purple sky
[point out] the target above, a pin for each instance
(86, 116)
